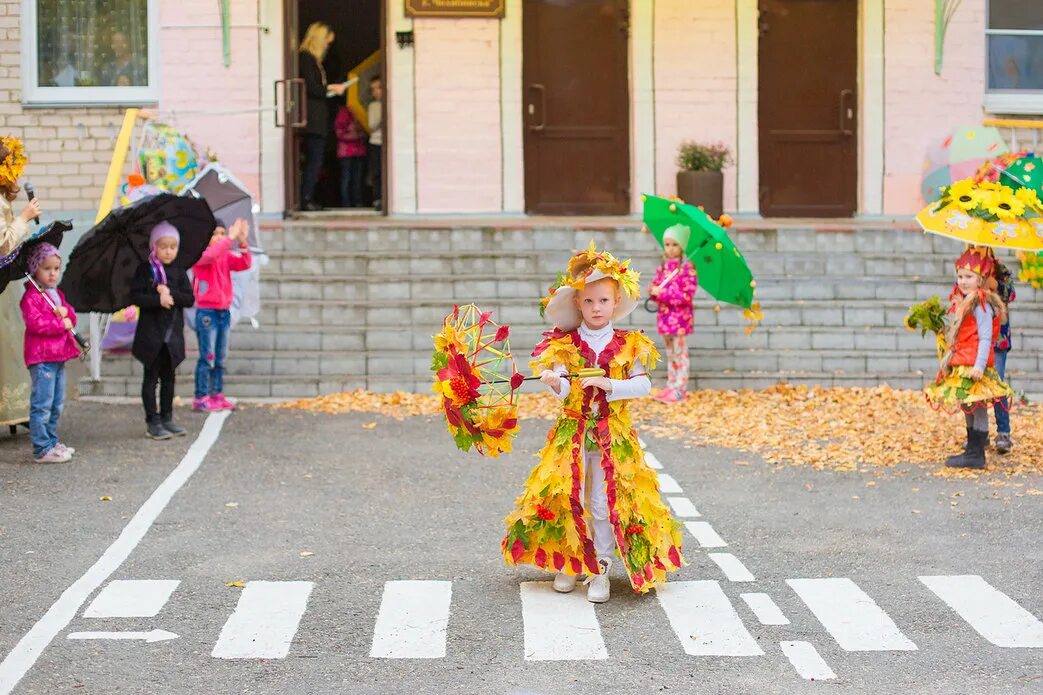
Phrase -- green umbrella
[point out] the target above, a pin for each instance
(721, 269)
(1024, 172)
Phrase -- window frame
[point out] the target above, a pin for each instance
(34, 95)
(1022, 102)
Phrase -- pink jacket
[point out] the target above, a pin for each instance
(349, 135)
(46, 340)
(676, 315)
(212, 275)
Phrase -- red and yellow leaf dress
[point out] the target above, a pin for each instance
(549, 527)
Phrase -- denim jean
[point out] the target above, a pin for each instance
(376, 171)
(1002, 405)
(46, 401)
(351, 175)
(212, 328)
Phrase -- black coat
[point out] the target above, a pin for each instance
(158, 326)
(315, 93)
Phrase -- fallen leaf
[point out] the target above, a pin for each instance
(231, 505)
(105, 498)
(369, 426)
(306, 553)
(238, 584)
(740, 462)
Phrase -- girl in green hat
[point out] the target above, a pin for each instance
(673, 288)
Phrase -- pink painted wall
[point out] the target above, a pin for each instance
(695, 83)
(194, 79)
(458, 132)
(920, 106)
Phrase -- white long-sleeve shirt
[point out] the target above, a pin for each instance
(636, 386)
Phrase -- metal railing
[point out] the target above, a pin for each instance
(1020, 134)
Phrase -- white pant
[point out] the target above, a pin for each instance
(596, 503)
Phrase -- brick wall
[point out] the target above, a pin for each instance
(922, 107)
(69, 149)
(458, 131)
(695, 83)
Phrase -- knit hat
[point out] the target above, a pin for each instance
(584, 268)
(163, 229)
(12, 165)
(679, 233)
(39, 254)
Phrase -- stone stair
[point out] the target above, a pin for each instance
(354, 306)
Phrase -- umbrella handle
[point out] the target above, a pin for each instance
(82, 342)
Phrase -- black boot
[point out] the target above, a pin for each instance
(170, 426)
(974, 457)
(957, 460)
(156, 430)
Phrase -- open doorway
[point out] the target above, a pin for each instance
(355, 51)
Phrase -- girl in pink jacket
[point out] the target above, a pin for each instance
(673, 289)
(48, 346)
(212, 287)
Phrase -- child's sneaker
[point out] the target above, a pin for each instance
(55, 455)
(598, 584)
(202, 404)
(156, 430)
(671, 396)
(219, 402)
(69, 449)
(175, 429)
(564, 583)
(1003, 443)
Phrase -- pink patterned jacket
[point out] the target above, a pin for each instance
(676, 315)
(46, 340)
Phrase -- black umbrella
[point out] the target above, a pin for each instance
(103, 263)
(15, 266)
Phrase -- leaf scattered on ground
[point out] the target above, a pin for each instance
(844, 429)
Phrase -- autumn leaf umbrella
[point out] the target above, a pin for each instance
(958, 156)
(477, 379)
(722, 270)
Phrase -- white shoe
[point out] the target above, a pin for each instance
(598, 587)
(564, 583)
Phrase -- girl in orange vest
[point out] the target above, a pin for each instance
(968, 380)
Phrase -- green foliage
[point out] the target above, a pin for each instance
(928, 316)
(695, 156)
(439, 361)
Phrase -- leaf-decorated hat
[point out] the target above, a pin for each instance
(11, 166)
(977, 259)
(587, 267)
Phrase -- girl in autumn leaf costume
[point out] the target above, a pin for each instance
(592, 492)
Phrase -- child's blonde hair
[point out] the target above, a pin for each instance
(314, 40)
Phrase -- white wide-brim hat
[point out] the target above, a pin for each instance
(565, 315)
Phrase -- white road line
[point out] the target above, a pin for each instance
(765, 609)
(704, 620)
(18, 662)
(704, 533)
(559, 627)
(641, 442)
(668, 486)
(264, 622)
(652, 461)
(683, 507)
(413, 620)
(806, 660)
(131, 598)
(732, 567)
(996, 616)
(850, 615)
(150, 636)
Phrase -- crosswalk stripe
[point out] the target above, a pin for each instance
(704, 534)
(683, 507)
(850, 615)
(806, 660)
(131, 598)
(996, 616)
(766, 610)
(704, 620)
(669, 486)
(413, 620)
(559, 627)
(732, 567)
(264, 622)
(652, 461)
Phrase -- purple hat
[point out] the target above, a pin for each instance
(163, 229)
(39, 254)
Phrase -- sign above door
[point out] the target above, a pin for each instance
(455, 8)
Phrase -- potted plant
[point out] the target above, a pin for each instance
(700, 181)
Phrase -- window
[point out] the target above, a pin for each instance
(1014, 46)
(90, 51)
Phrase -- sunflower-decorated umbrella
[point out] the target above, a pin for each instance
(477, 378)
(987, 214)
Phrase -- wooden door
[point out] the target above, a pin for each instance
(291, 70)
(576, 107)
(807, 108)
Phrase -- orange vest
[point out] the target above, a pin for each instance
(966, 351)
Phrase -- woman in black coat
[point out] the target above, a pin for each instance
(159, 340)
(316, 42)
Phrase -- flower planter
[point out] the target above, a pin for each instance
(705, 188)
